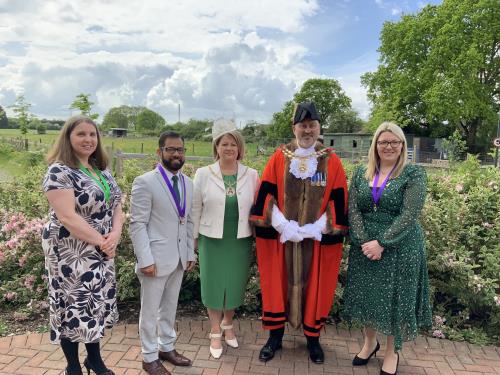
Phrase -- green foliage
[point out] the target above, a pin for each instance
(462, 221)
(439, 65)
(3, 328)
(149, 122)
(281, 124)
(346, 121)
(41, 128)
(4, 122)
(121, 117)
(193, 129)
(329, 98)
(83, 103)
(24, 193)
(21, 107)
(333, 105)
(455, 146)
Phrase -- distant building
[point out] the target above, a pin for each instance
(355, 146)
(118, 132)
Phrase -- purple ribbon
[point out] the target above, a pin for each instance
(180, 209)
(377, 191)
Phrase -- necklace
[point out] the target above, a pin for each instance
(303, 159)
(229, 186)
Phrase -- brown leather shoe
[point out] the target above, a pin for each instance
(174, 358)
(155, 368)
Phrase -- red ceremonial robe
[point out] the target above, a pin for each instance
(298, 280)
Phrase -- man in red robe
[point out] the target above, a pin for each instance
(300, 218)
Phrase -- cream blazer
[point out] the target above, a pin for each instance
(209, 200)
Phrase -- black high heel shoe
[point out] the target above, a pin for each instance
(89, 366)
(382, 372)
(357, 361)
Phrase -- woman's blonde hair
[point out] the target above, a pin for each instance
(373, 158)
(63, 152)
(240, 142)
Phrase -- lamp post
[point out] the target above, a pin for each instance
(498, 136)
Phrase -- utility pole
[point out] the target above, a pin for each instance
(179, 112)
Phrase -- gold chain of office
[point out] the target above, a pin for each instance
(229, 186)
(303, 159)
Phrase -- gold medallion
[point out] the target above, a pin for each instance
(229, 191)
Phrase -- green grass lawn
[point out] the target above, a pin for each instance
(146, 145)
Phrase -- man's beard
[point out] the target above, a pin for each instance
(173, 164)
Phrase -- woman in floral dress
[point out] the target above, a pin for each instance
(79, 242)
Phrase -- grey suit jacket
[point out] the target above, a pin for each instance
(157, 235)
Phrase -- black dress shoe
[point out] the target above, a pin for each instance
(267, 352)
(316, 352)
(99, 370)
(357, 361)
(382, 372)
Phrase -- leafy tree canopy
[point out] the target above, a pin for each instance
(329, 98)
(149, 122)
(121, 117)
(441, 66)
(21, 108)
(4, 122)
(83, 103)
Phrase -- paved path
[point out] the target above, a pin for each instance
(33, 354)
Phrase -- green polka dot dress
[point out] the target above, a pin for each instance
(390, 295)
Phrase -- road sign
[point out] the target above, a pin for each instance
(496, 142)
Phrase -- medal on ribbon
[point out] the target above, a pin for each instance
(181, 209)
(377, 191)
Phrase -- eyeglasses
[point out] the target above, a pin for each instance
(393, 144)
(172, 150)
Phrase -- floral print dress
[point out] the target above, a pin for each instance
(82, 284)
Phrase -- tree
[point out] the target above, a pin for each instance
(327, 95)
(346, 121)
(4, 122)
(83, 103)
(439, 66)
(281, 124)
(121, 117)
(148, 122)
(21, 108)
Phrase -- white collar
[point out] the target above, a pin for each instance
(300, 151)
(170, 174)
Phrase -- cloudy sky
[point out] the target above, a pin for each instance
(231, 58)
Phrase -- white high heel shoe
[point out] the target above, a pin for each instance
(233, 343)
(216, 353)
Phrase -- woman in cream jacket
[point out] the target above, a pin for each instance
(223, 196)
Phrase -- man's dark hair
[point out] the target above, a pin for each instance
(168, 134)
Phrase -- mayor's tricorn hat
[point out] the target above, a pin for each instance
(305, 110)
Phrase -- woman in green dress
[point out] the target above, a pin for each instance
(387, 286)
(223, 196)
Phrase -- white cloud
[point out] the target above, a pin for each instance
(395, 11)
(210, 56)
(349, 77)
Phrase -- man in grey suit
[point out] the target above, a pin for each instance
(161, 230)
